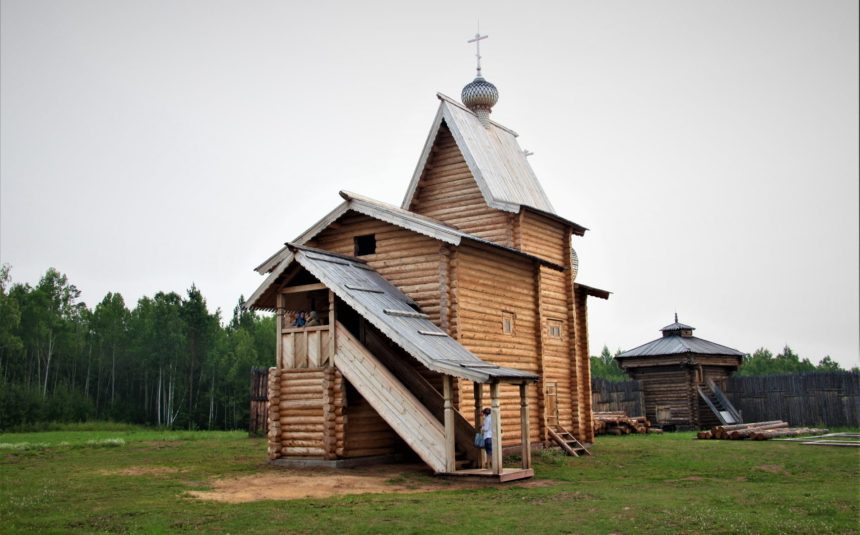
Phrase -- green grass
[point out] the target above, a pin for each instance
(632, 484)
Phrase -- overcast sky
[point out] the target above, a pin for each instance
(711, 147)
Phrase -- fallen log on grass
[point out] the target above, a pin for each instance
(778, 433)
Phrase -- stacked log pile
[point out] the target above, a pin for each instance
(757, 431)
(618, 423)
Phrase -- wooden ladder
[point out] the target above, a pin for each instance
(567, 441)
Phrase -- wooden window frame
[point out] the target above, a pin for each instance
(509, 317)
(552, 323)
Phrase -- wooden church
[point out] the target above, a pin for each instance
(398, 324)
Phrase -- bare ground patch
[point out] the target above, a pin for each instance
(773, 469)
(141, 471)
(294, 484)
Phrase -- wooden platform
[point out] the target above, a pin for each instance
(508, 474)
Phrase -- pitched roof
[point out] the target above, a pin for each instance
(275, 265)
(390, 311)
(673, 345)
(494, 157)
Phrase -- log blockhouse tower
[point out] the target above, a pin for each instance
(683, 377)
(462, 297)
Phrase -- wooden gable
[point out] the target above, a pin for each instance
(447, 191)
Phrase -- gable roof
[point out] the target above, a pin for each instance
(390, 311)
(674, 345)
(494, 157)
(275, 265)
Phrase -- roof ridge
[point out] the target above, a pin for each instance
(449, 100)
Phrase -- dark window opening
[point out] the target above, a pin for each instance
(365, 245)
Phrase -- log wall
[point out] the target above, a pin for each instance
(557, 351)
(668, 387)
(447, 191)
(297, 413)
(580, 382)
(543, 237)
(367, 434)
(406, 259)
(485, 287)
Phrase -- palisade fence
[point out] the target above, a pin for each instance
(830, 399)
(258, 418)
(626, 396)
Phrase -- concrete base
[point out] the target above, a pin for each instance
(319, 462)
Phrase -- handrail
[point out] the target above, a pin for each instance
(724, 401)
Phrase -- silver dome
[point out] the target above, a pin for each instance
(480, 94)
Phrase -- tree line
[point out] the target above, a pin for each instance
(760, 362)
(167, 361)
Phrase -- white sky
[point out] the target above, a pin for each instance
(711, 147)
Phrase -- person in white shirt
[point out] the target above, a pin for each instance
(487, 431)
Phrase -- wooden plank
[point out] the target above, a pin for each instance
(314, 348)
(303, 288)
(524, 427)
(394, 403)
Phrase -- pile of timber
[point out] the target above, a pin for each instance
(618, 423)
(757, 431)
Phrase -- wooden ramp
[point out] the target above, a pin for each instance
(567, 441)
(410, 419)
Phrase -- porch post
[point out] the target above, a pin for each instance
(332, 345)
(279, 326)
(497, 429)
(477, 391)
(450, 450)
(524, 427)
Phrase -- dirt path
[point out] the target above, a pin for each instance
(292, 483)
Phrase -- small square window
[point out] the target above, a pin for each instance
(508, 320)
(365, 245)
(554, 328)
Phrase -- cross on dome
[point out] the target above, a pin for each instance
(477, 40)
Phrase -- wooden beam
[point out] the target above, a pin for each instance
(332, 319)
(524, 427)
(477, 390)
(303, 288)
(450, 436)
(279, 326)
(497, 429)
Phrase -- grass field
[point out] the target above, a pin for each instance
(124, 479)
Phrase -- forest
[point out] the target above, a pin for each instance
(166, 362)
(760, 362)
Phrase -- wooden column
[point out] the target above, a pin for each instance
(332, 319)
(524, 427)
(450, 450)
(477, 389)
(279, 326)
(497, 429)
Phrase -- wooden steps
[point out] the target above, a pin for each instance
(719, 403)
(407, 416)
(567, 441)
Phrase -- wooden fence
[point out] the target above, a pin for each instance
(624, 396)
(806, 399)
(258, 419)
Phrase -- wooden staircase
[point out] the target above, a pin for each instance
(567, 441)
(719, 404)
(407, 416)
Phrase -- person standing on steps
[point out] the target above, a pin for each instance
(487, 432)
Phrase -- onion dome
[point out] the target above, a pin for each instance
(480, 96)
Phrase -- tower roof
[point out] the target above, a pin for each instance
(495, 158)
